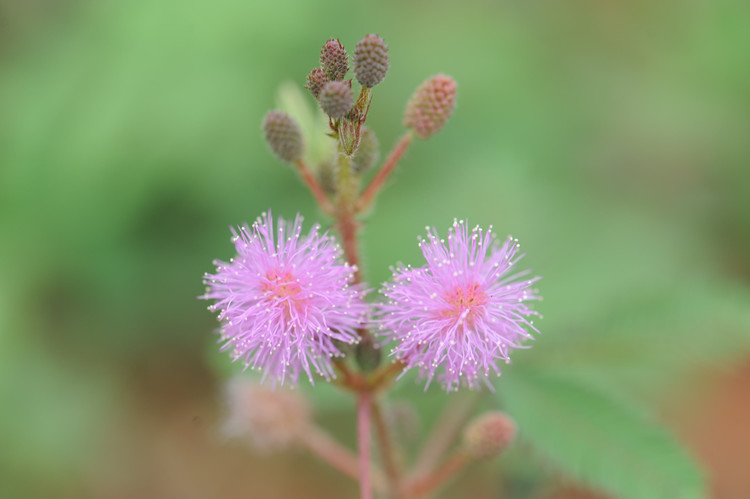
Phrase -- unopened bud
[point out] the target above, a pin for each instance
(368, 152)
(431, 106)
(489, 434)
(315, 81)
(334, 60)
(283, 135)
(269, 419)
(336, 98)
(371, 60)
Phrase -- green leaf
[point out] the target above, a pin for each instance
(649, 340)
(607, 443)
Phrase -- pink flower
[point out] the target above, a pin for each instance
(283, 301)
(456, 316)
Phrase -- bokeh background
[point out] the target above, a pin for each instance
(610, 137)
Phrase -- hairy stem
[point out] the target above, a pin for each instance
(364, 406)
(387, 450)
(390, 163)
(314, 186)
(346, 221)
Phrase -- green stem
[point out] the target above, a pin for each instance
(346, 203)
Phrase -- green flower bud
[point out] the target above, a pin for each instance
(315, 81)
(334, 60)
(283, 136)
(336, 98)
(371, 60)
(327, 176)
(368, 152)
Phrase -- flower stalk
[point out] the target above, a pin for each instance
(387, 451)
(364, 409)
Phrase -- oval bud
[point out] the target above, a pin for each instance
(431, 106)
(334, 60)
(283, 135)
(315, 81)
(371, 60)
(489, 435)
(336, 99)
(368, 152)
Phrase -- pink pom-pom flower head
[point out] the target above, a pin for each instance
(457, 316)
(285, 299)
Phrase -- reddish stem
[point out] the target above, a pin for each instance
(444, 432)
(348, 227)
(377, 182)
(329, 450)
(364, 406)
(314, 186)
(387, 451)
(445, 472)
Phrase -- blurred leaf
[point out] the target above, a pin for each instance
(652, 339)
(314, 124)
(607, 443)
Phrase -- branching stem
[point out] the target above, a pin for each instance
(390, 163)
(444, 432)
(423, 485)
(314, 186)
(339, 457)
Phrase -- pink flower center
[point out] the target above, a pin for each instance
(281, 285)
(465, 303)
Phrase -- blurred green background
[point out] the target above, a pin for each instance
(610, 137)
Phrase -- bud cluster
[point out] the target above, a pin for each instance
(426, 113)
(335, 95)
